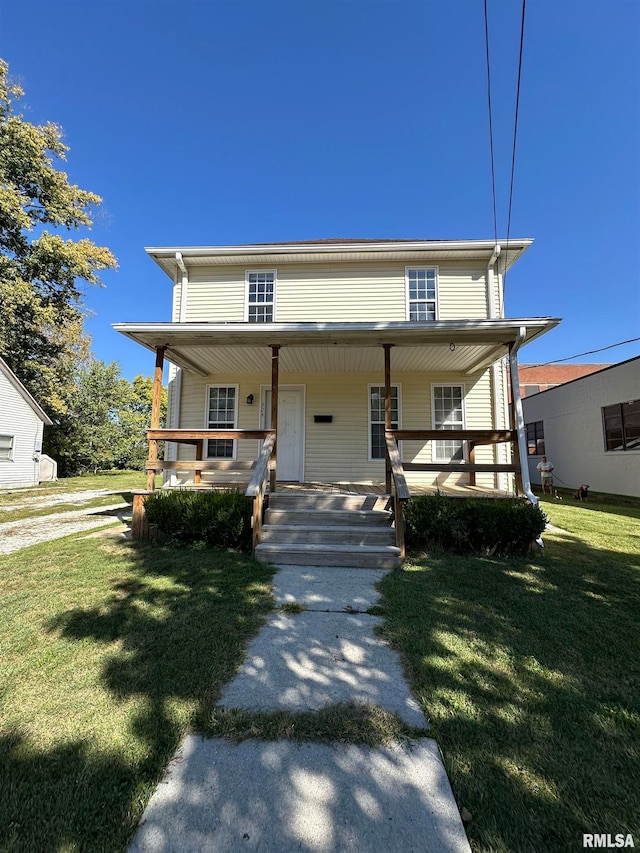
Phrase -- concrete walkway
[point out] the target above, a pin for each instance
(282, 796)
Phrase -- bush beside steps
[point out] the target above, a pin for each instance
(221, 519)
(493, 527)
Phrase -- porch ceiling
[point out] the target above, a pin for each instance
(446, 346)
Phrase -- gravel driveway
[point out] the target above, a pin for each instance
(15, 535)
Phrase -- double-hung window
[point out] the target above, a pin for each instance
(535, 438)
(261, 295)
(448, 413)
(377, 420)
(621, 425)
(422, 293)
(6, 448)
(222, 413)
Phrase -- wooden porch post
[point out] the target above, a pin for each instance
(387, 410)
(275, 349)
(156, 399)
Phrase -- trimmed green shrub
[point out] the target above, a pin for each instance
(473, 525)
(221, 519)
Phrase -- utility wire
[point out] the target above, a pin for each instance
(515, 136)
(493, 169)
(579, 355)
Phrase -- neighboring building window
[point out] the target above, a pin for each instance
(422, 286)
(448, 413)
(528, 390)
(535, 439)
(261, 289)
(621, 424)
(6, 448)
(376, 418)
(221, 414)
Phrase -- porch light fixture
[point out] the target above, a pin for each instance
(250, 399)
(452, 347)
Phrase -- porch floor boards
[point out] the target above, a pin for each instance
(356, 489)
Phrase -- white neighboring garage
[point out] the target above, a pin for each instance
(21, 425)
(590, 429)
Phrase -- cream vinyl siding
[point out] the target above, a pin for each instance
(332, 293)
(338, 451)
(216, 294)
(462, 291)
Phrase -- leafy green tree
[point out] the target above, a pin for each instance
(134, 419)
(106, 421)
(41, 273)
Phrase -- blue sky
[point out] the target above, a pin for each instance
(213, 123)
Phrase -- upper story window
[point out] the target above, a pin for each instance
(422, 293)
(6, 448)
(261, 296)
(535, 438)
(621, 425)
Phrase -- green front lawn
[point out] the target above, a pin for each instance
(109, 651)
(529, 670)
(112, 480)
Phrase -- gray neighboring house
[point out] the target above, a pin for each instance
(590, 429)
(21, 426)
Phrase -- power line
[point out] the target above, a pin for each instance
(515, 136)
(493, 169)
(579, 355)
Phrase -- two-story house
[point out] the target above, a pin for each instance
(359, 342)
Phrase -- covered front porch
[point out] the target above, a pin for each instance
(490, 455)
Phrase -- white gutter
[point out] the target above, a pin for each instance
(183, 287)
(519, 416)
(381, 246)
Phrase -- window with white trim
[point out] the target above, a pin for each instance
(6, 448)
(422, 293)
(448, 413)
(378, 445)
(261, 293)
(222, 413)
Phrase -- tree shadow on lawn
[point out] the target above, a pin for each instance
(172, 627)
(529, 671)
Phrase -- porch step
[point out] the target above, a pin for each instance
(352, 556)
(330, 517)
(326, 534)
(346, 502)
(329, 530)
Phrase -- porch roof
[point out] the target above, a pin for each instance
(461, 346)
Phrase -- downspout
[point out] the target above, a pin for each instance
(491, 296)
(495, 368)
(177, 378)
(183, 287)
(519, 416)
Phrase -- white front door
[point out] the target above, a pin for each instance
(290, 449)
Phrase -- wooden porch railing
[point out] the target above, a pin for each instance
(473, 437)
(258, 484)
(198, 437)
(400, 490)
